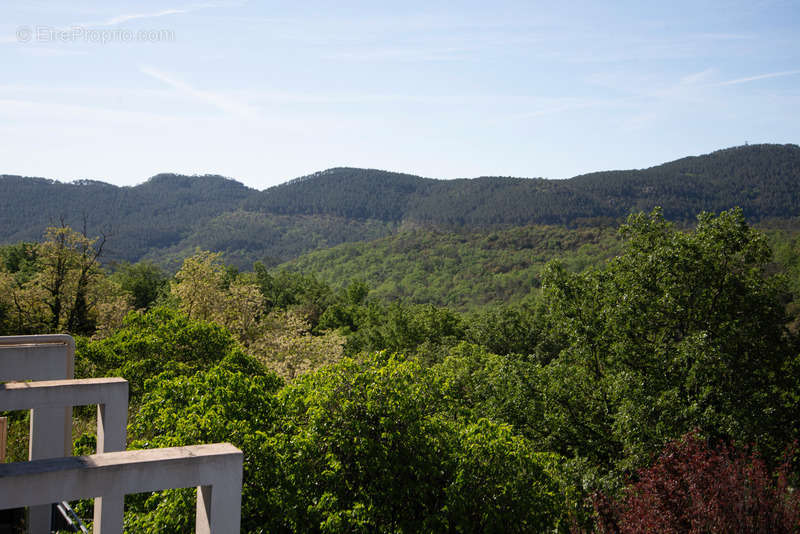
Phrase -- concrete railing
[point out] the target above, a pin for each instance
(216, 471)
(52, 475)
(44, 357)
(111, 397)
(41, 357)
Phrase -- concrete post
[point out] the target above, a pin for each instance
(112, 418)
(219, 506)
(45, 441)
(41, 357)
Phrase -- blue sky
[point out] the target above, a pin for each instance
(264, 92)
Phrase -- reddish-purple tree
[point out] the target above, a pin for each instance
(695, 489)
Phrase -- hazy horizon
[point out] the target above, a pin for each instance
(287, 180)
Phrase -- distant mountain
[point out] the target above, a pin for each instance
(345, 192)
(158, 213)
(394, 197)
(763, 179)
(169, 215)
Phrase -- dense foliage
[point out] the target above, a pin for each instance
(361, 446)
(58, 285)
(148, 344)
(232, 401)
(244, 237)
(682, 330)
(459, 270)
(365, 414)
(694, 488)
(345, 192)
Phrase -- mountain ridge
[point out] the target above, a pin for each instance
(169, 215)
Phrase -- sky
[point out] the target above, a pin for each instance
(264, 92)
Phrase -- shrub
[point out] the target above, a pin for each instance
(693, 488)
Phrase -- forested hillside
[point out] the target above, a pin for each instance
(762, 179)
(167, 217)
(136, 220)
(245, 237)
(461, 270)
(345, 192)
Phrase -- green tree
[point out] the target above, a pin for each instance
(425, 331)
(500, 484)
(225, 403)
(485, 385)
(362, 450)
(683, 330)
(19, 259)
(145, 281)
(509, 329)
(282, 340)
(148, 344)
(369, 446)
(200, 286)
(66, 290)
(284, 290)
(6, 303)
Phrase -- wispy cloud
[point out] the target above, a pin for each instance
(125, 17)
(696, 77)
(133, 16)
(554, 106)
(759, 77)
(221, 102)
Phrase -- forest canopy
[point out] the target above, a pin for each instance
(359, 412)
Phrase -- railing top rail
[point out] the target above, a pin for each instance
(139, 458)
(67, 393)
(38, 339)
